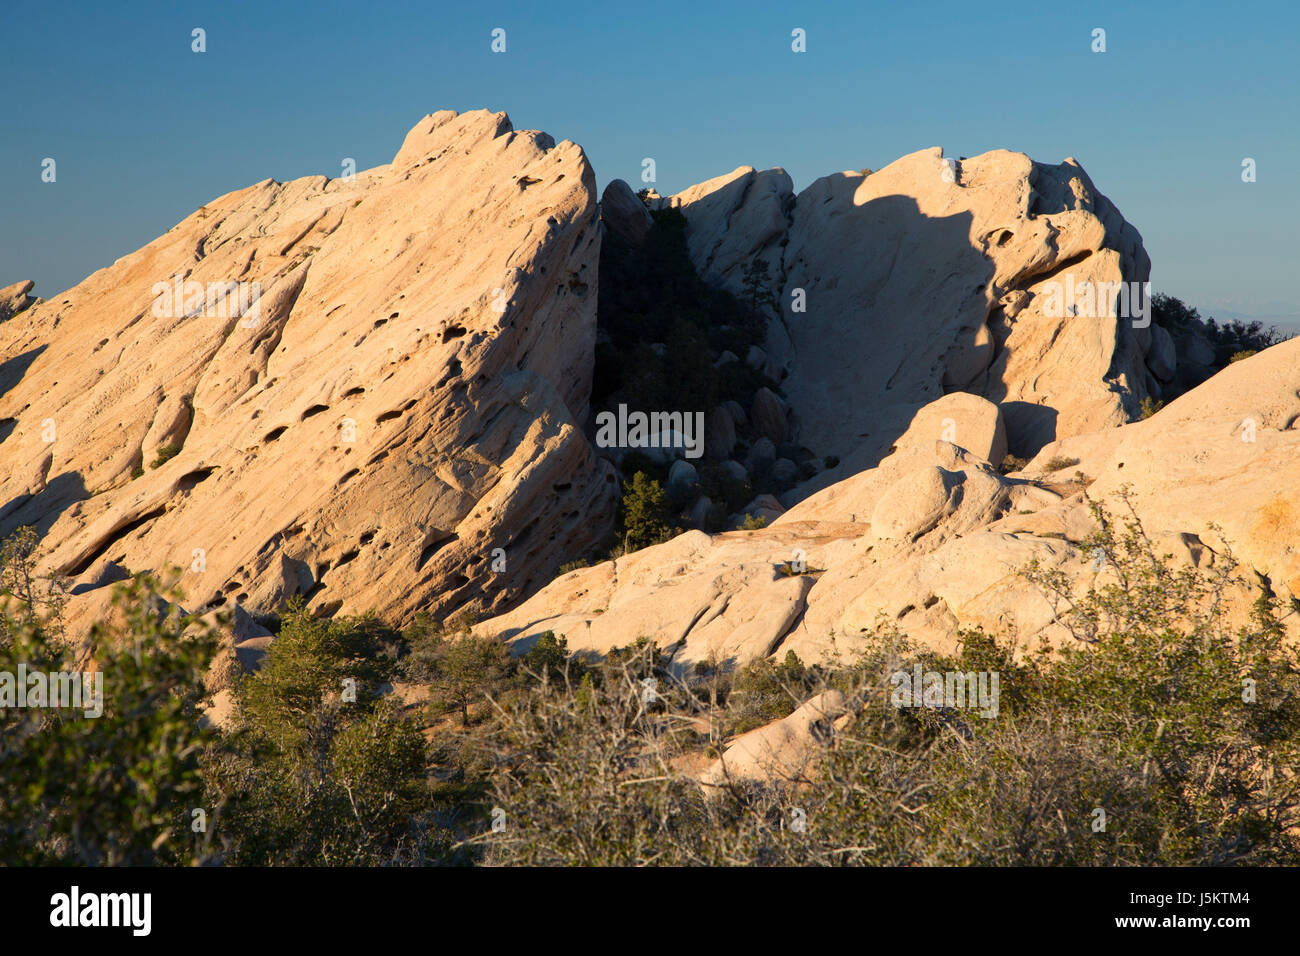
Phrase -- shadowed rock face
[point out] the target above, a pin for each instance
(931, 276)
(406, 397)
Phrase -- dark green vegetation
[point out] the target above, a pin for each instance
(1205, 346)
(651, 295)
(661, 332)
(1184, 732)
(643, 514)
(165, 454)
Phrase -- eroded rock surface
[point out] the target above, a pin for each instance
(396, 426)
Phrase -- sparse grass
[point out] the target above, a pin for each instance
(1012, 463)
(1058, 462)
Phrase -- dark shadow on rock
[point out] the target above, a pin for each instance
(41, 510)
(1029, 427)
(12, 370)
(915, 293)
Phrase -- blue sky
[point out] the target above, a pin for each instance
(144, 131)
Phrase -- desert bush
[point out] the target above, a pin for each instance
(1059, 462)
(165, 454)
(320, 766)
(113, 789)
(1157, 736)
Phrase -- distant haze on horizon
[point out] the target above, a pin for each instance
(144, 130)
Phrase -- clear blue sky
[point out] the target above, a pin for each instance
(144, 131)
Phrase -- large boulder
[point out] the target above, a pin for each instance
(394, 425)
(767, 415)
(719, 434)
(1162, 358)
(623, 213)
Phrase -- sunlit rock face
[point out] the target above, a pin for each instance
(366, 391)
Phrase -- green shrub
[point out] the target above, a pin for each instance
(320, 766)
(643, 513)
(1148, 408)
(165, 454)
(108, 790)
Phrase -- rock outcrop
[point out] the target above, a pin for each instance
(15, 298)
(781, 749)
(394, 423)
(933, 539)
(934, 275)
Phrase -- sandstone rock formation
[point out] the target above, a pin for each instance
(933, 539)
(15, 298)
(395, 425)
(931, 276)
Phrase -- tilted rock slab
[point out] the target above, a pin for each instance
(396, 427)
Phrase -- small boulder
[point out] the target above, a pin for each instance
(761, 455)
(767, 412)
(763, 506)
(15, 298)
(737, 412)
(726, 358)
(719, 434)
(700, 511)
(623, 213)
(735, 469)
(784, 471)
(782, 749)
(683, 479)
(912, 506)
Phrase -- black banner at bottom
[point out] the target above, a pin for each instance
(340, 905)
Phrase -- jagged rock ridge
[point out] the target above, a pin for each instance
(396, 427)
